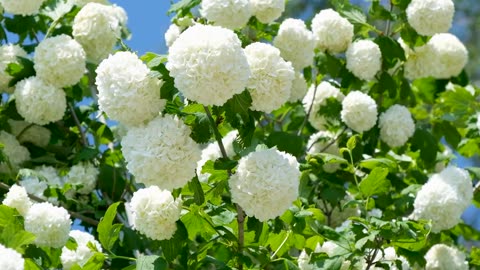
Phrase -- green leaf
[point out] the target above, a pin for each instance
(424, 141)
(387, 83)
(21, 70)
(372, 163)
(352, 142)
(196, 187)
(152, 262)
(379, 12)
(7, 215)
(391, 50)
(182, 6)
(201, 128)
(95, 262)
(286, 142)
(196, 224)
(108, 233)
(375, 183)
(475, 255)
(171, 248)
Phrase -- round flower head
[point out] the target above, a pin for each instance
(22, 7)
(359, 111)
(271, 79)
(448, 56)
(444, 198)
(31, 133)
(429, 17)
(364, 59)
(85, 175)
(396, 126)
(8, 54)
(155, 212)
(16, 153)
(332, 32)
(443, 257)
(419, 62)
(49, 224)
(266, 183)
(97, 28)
(163, 145)
(126, 91)
(173, 32)
(293, 32)
(267, 11)
(82, 253)
(321, 141)
(10, 259)
(59, 61)
(39, 102)
(17, 198)
(325, 91)
(299, 88)
(230, 14)
(208, 64)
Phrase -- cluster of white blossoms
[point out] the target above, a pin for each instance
(359, 111)
(429, 17)
(322, 140)
(291, 34)
(443, 257)
(328, 247)
(163, 145)
(325, 91)
(396, 126)
(8, 54)
(444, 198)
(17, 198)
(266, 183)
(364, 59)
(26, 132)
(271, 80)
(155, 212)
(299, 88)
(49, 224)
(22, 7)
(59, 61)
(10, 259)
(16, 153)
(267, 11)
(208, 64)
(126, 91)
(84, 175)
(82, 253)
(388, 256)
(332, 41)
(38, 102)
(230, 14)
(97, 28)
(172, 33)
(37, 183)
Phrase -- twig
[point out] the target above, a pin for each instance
(79, 126)
(314, 77)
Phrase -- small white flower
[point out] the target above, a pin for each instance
(230, 14)
(443, 257)
(359, 111)
(364, 59)
(17, 198)
(429, 17)
(325, 91)
(396, 126)
(8, 55)
(82, 253)
(22, 7)
(267, 11)
(10, 259)
(332, 32)
(85, 175)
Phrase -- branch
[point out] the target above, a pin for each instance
(79, 126)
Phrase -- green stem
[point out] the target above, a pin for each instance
(113, 257)
(51, 28)
(281, 245)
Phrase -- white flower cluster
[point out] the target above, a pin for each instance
(17, 198)
(266, 183)
(97, 28)
(389, 257)
(82, 253)
(155, 212)
(429, 17)
(291, 33)
(332, 41)
(443, 257)
(364, 59)
(84, 175)
(267, 11)
(396, 126)
(329, 248)
(16, 153)
(22, 7)
(50, 225)
(31, 133)
(230, 14)
(161, 153)
(359, 111)
(126, 91)
(299, 88)
(208, 64)
(39, 102)
(10, 259)
(444, 198)
(271, 80)
(173, 32)
(321, 140)
(325, 90)
(8, 54)
(35, 185)
(59, 61)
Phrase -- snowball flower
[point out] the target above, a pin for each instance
(291, 33)
(444, 198)
(429, 17)
(17, 198)
(126, 91)
(59, 61)
(22, 7)
(266, 183)
(230, 14)
(85, 175)
(396, 126)
(161, 153)
(364, 59)
(271, 79)
(320, 141)
(173, 32)
(40, 180)
(448, 56)
(267, 11)
(8, 55)
(31, 133)
(10, 259)
(82, 253)
(16, 153)
(359, 111)
(39, 102)
(155, 212)
(324, 91)
(332, 32)
(299, 88)
(443, 257)
(208, 64)
(50, 224)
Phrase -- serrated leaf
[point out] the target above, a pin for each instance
(375, 183)
(108, 233)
